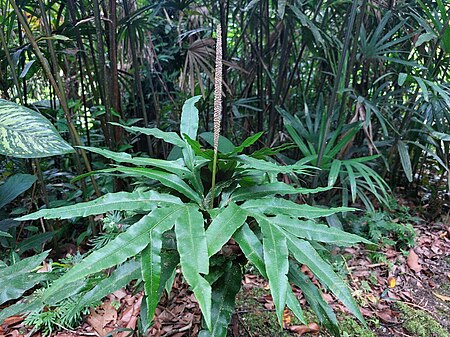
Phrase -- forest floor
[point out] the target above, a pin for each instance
(403, 293)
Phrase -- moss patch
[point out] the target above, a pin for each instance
(420, 323)
(350, 327)
(256, 320)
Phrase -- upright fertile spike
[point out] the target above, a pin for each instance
(218, 88)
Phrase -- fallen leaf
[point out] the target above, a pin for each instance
(302, 329)
(387, 316)
(372, 298)
(413, 261)
(392, 282)
(442, 297)
(286, 318)
(13, 320)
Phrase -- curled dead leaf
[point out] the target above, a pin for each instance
(392, 282)
(413, 261)
(286, 318)
(302, 329)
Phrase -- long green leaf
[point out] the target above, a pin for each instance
(124, 246)
(314, 298)
(334, 172)
(225, 145)
(251, 247)
(277, 266)
(280, 188)
(248, 142)
(119, 278)
(253, 250)
(167, 179)
(25, 306)
(25, 133)
(351, 179)
(151, 266)
(266, 166)
(405, 159)
(168, 137)
(275, 206)
(15, 186)
(174, 166)
(18, 278)
(189, 118)
(306, 254)
(224, 294)
(120, 201)
(194, 260)
(223, 227)
(311, 230)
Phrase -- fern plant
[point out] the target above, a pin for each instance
(210, 234)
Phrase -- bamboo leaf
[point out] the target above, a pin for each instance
(405, 159)
(25, 133)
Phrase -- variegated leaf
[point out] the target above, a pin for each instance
(25, 133)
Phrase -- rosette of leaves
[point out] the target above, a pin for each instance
(253, 218)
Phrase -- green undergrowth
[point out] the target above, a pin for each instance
(419, 323)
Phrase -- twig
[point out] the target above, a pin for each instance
(401, 333)
(175, 331)
(373, 265)
(420, 307)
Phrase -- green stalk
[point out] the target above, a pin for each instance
(217, 107)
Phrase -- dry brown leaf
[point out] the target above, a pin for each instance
(392, 282)
(387, 316)
(442, 297)
(302, 329)
(413, 261)
(286, 318)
